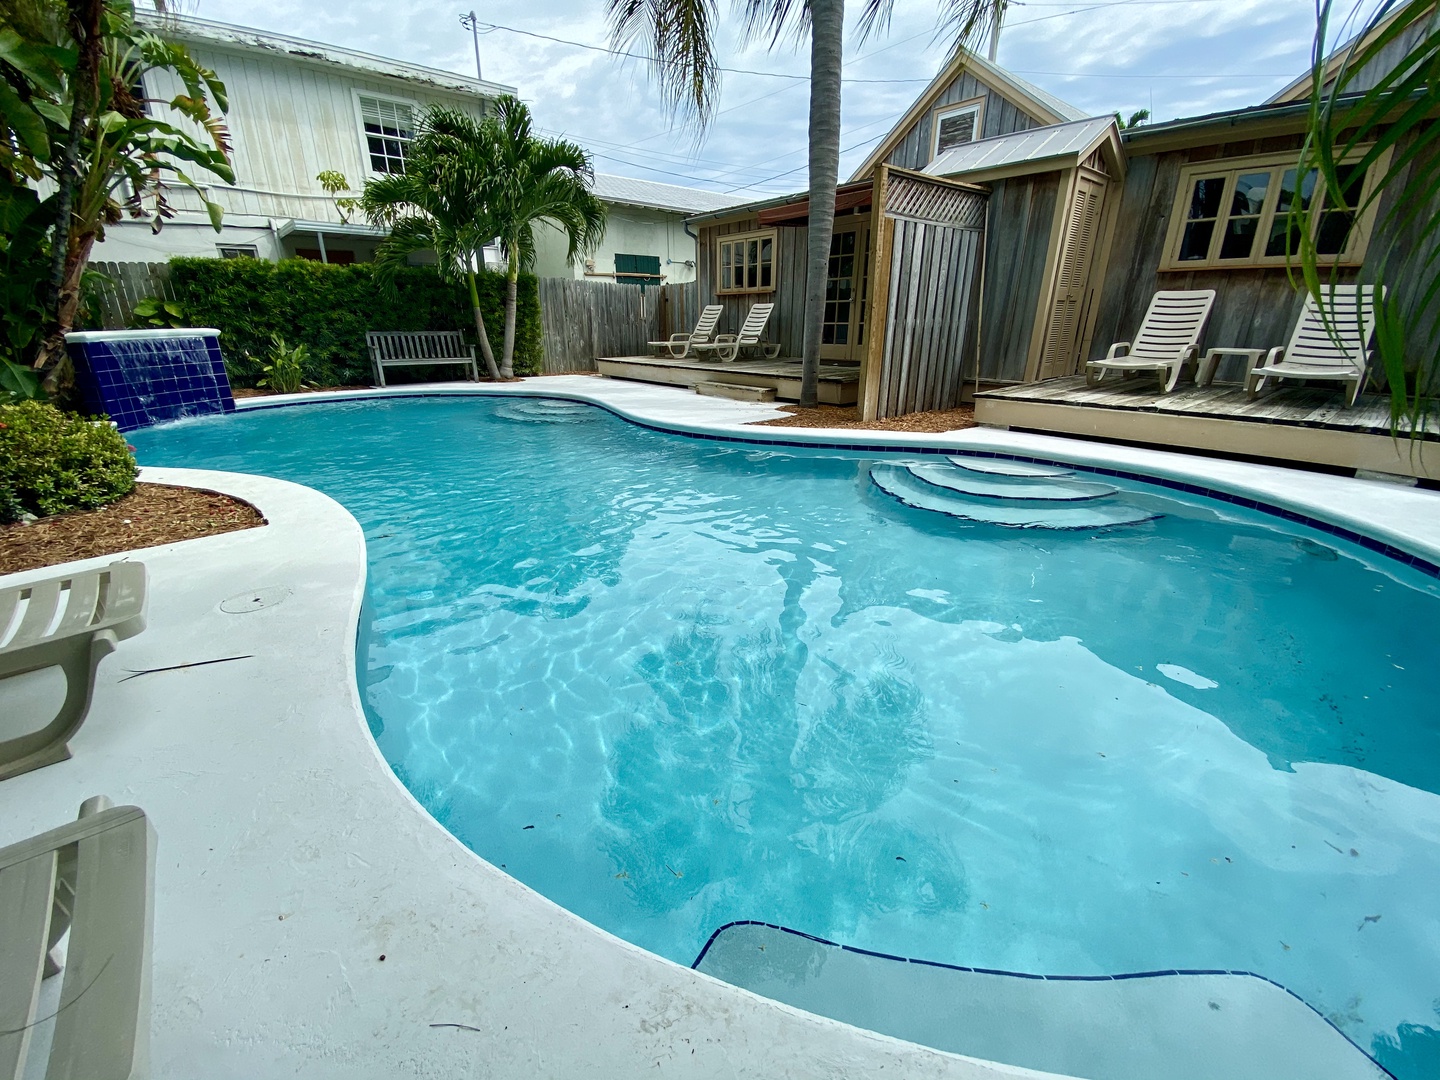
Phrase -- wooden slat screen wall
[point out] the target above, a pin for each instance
(931, 304)
(125, 285)
(582, 320)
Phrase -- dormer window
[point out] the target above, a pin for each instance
(955, 125)
(389, 129)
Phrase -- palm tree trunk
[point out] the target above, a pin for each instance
(484, 338)
(827, 38)
(512, 278)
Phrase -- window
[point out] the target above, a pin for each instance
(238, 251)
(955, 125)
(389, 129)
(747, 263)
(1236, 213)
(638, 269)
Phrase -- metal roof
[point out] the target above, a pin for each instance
(207, 32)
(1021, 147)
(656, 196)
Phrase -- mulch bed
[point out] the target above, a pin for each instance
(152, 514)
(835, 416)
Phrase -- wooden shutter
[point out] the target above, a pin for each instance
(1058, 355)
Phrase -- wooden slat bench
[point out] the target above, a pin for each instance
(417, 348)
(95, 878)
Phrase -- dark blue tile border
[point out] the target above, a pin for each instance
(1043, 978)
(1379, 547)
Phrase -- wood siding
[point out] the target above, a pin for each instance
(289, 121)
(1022, 215)
(998, 116)
(1254, 308)
(786, 327)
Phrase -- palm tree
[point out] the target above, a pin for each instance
(679, 38)
(1378, 100)
(527, 181)
(435, 205)
(468, 182)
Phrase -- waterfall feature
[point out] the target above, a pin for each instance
(144, 377)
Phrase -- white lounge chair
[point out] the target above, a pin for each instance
(1339, 352)
(728, 347)
(1169, 338)
(680, 345)
(95, 878)
(71, 622)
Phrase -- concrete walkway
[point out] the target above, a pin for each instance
(313, 921)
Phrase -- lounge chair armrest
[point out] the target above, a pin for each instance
(1115, 349)
(1275, 355)
(724, 339)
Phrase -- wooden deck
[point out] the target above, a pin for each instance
(1289, 424)
(839, 383)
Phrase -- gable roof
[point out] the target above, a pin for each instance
(1040, 149)
(628, 191)
(1040, 105)
(1299, 90)
(186, 28)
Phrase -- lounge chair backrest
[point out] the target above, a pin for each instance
(705, 327)
(1344, 344)
(754, 324)
(1172, 324)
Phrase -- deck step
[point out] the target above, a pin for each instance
(1006, 467)
(898, 482)
(735, 391)
(1037, 489)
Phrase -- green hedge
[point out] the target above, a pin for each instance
(329, 308)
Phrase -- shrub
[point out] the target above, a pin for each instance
(53, 461)
(330, 307)
(155, 312)
(285, 370)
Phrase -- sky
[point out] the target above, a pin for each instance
(1174, 57)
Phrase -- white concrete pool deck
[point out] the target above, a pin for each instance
(313, 921)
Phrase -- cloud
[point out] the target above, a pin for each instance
(1175, 58)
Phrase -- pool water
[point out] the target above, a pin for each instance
(671, 683)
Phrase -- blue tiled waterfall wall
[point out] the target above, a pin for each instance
(144, 377)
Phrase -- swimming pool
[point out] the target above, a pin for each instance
(673, 683)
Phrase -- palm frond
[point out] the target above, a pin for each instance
(678, 37)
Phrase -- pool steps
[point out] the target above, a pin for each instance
(1073, 505)
(545, 411)
(1006, 467)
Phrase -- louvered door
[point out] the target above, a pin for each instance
(1059, 353)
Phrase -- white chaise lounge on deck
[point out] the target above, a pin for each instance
(727, 347)
(1337, 352)
(72, 622)
(1169, 338)
(680, 344)
(94, 878)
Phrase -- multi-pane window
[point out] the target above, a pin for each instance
(839, 289)
(955, 125)
(1238, 214)
(747, 263)
(389, 129)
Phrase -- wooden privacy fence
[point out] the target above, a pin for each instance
(125, 285)
(928, 277)
(581, 320)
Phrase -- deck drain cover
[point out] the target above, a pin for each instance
(255, 599)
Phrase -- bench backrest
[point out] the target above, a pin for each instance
(705, 327)
(754, 324)
(417, 345)
(1172, 324)
(1345, 343)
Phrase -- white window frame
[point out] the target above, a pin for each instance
(251, 251)
(1229, 170)
(721, 242)
(942, 112)
(416, 111)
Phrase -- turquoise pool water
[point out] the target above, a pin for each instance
(672, 683)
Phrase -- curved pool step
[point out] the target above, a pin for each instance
(897, 482)
(544, 411)
(1006, 467)
(1036, 489)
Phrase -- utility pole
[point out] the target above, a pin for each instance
(1000, 6)
(471, 23)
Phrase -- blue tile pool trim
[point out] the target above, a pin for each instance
(181, 384)
(1030, 975)
(1379, 547)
